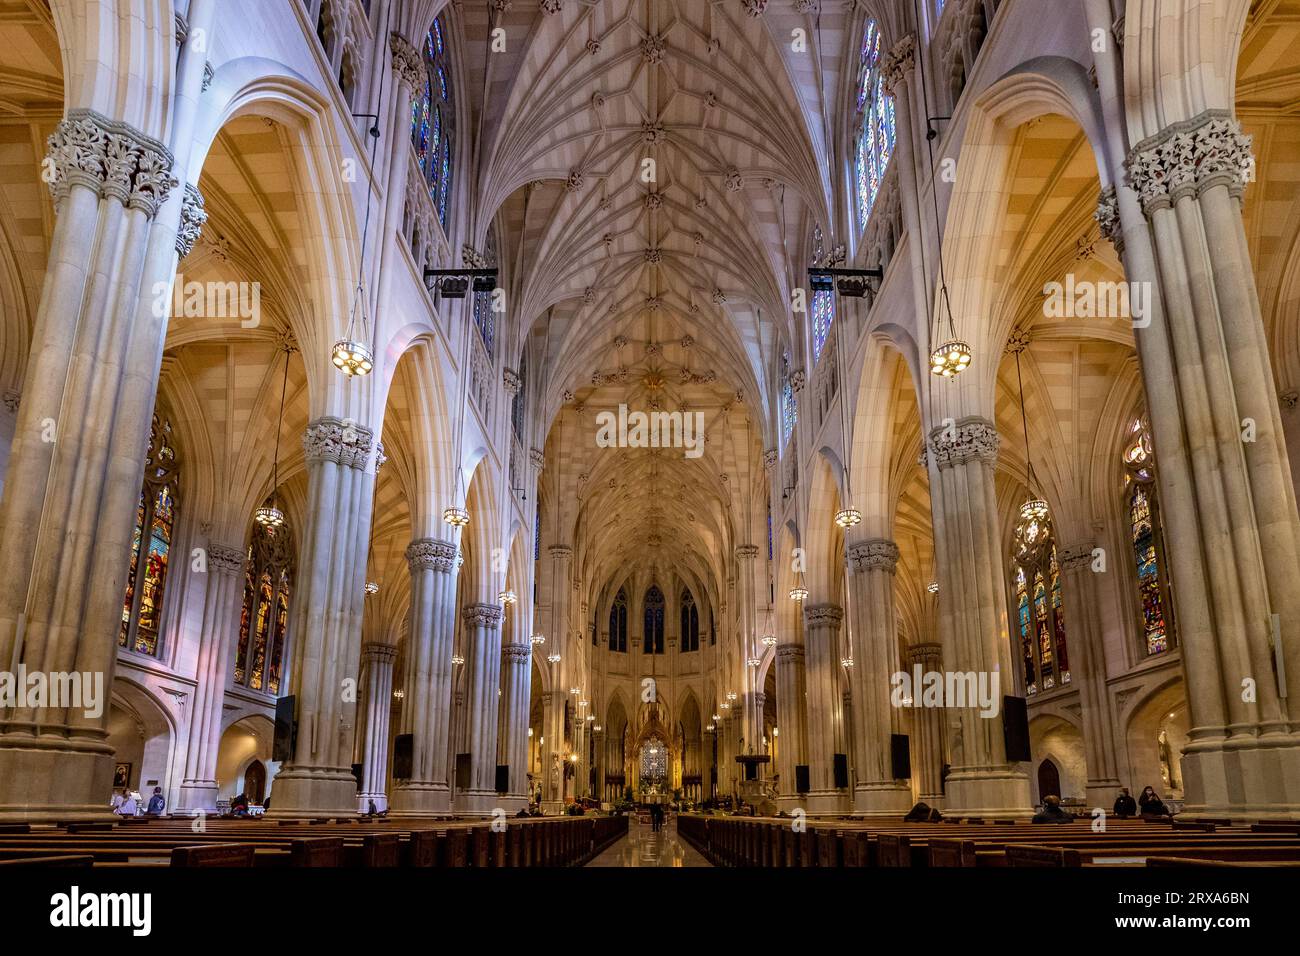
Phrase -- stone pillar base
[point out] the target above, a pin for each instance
(826, 803)
(790, 802)
(995, 793)
(477, 803)
(43, 780)
(887, 799)
(552, 808)
(935, 800)
(198, 795)
(1257, 778)
(1102, 793)
(512, 803)
(420, 799)
(363, 802)
(319, 791)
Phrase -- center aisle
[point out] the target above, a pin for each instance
(643, 847)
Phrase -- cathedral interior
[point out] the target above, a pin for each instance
(448, 413)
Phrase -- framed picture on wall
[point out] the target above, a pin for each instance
(121, 775)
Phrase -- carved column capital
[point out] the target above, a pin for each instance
(1188, 157)
(770, 459)
(927, 652)
(537, 458)
(343, 442)
(789, 653)
(482, 615)
(516, 653)
(112, 158)
(1107, 216)
(225, 560)
(823, 615)
(876, 553)
(193, 217)
(511, 380)
(745, 551)
(898, 63)
(560, 551)
(970, 439)
(431, 554)
(378, 652)
(407, 62)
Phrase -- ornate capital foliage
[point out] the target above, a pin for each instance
(537, 458)
(924, 653)
(1187, 158)
(876, 553)
(334, 439)
(193, 216)
(511, 380)
(111, 158)
(431, 554)
(970, 439)
(746, 551)
(516, 653)
(377, 652)
(1107, 216)
(225, 560)
(407, 63)
(482, 615)
(560, 551)
(898, 62)
(789, 653)
(823, 615)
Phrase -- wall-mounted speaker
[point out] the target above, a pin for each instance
(1015, 728)
(900, 756)
(503, 777)
(403, 756)
(802, 779)
(841, 771)
(286, 729)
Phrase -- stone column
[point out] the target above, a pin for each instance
(553, 754)
(222, 600)
(791, 709)
(68, 508)
(483, 646)
(927, 730)
(516, 663)
(875, 653)
(1226, 494)
(377, 679)
(426, 708)
(327, 611)
(972, 595)
(747, 598)
(1088, 671)
(822, 627)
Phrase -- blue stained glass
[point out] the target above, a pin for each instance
(444, 186)
(877, 133)
(436, 34)
(433, 122)
(442, 83)
(789, 411)
(823, 310)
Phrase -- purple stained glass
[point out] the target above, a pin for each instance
(877, 130)
(823, 311)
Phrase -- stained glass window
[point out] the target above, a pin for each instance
(433, 121)
(789, 406)
(517, 404)
(690, 622)
(264, 619)
(151, 542)
(1040, 611)
(653, 640)
(618, 622)
(484, 317)
(875, 124)
(1147, 540)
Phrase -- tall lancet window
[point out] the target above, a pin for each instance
(653, 640)
(1147, 539)
(1040, 613)
(789, 404)
(433, 120)
(874, 124)
(264, 620)
(618, 622)
(151, 543)
(484, 317)
(690, 622)
(823, 301)
(518, 403)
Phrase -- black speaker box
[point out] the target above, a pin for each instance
(403, 756)
(463, 764)
(841, 771)
(1015, 728)
(900, 756)
(286, 729)
(802, 783)
(503, 777)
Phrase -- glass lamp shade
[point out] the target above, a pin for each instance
(1035, 509)
(352, 358)
(754, 661)
(372, 587)
(457, 659)
(769, 640)
(798, 594)
(848, 517)
(933, 587)
(538, 639)
(507, 597)
(846, 662)
(456, 517)
(269, 516)
(554, 658)
(950, 359)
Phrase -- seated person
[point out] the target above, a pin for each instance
(1125, 805)
(1052, 812)
(918, 814)
(1151, 804)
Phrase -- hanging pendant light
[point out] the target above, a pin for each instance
(507, 598)
(1033, 509)
(351, 355)
(848, 517)
(372, 587)
(951, 358)
(798, 593)
(270, 516)
(456, 517)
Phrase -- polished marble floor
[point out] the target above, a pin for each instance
(643, 847)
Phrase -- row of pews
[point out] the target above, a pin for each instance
(321, 842)
(769, 841)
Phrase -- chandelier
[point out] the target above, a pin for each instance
(798, 593)
(848, 517)
(372, 587)
(538, 640)
(769, 640)
(554, 658)
(270, 516)
(457, 660)
(507, 598)
(352, 357)
(951, 358)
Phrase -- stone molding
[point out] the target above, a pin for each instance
(431, 554)
(377, 652)
(112, 158)
(823, 615)
(516, 653)
(876, 553)
(927, 652)
(482, 615)
(342, 442)
(974, 438)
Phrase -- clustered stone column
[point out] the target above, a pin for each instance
(961, 457)
(1225, 488)
(822, 628)
(222, 600)
(327, 620)
(875, 792)
(516, 680)
(554, 755)
(1088, 671)
(790, 704)
(377, 678)
(69, 504)
(927, 729)
(483, 637)
(425, 712)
